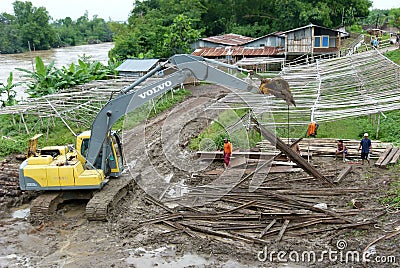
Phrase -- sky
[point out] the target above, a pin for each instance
(116, 10)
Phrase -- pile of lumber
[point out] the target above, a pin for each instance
(9, 182)
(327, 147)
(281, 207)
(389, 156)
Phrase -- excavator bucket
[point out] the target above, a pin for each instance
(32, 145)
(277, 87)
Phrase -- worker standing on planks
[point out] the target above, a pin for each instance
(312, 129)
(366, 147)
(227, 152)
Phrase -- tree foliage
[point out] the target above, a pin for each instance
(394, 17)
(33, 25)
(158, 28)
(82, 31)
(161, 28)
(32, 28)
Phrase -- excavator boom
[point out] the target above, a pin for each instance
(187, 66)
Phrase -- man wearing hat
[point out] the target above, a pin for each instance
(366, 147)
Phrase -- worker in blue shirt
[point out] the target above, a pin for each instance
(366, 148)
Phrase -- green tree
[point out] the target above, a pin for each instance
(33, 24)
(10, 38)
(376, 18)
(180, 36)
(394, 17)
(148, 31)
(99, 31)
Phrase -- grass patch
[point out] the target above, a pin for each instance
(16, 138)
(394, 55)
(353, 128)
(212, 138)
(151, 109)
(392, 197)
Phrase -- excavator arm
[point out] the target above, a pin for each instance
(127, 101)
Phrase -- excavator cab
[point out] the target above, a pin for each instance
(114, 160)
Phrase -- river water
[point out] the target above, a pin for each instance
(61, 57)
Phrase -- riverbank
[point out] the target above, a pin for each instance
(61, 57)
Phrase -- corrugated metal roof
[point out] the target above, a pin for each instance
(229, 39)
(310, 26)
(236, 51)
(137, 65)
(277, 34)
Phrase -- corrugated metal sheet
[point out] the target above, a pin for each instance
(310, 26)
(137, 65)
(237, 51)
(229, 39)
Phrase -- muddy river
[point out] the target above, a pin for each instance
(60, 56)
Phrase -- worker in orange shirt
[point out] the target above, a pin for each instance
(227, 152)
(312, 129)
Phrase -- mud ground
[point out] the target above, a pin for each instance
(156, 156)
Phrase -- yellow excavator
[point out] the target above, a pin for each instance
(97, 156)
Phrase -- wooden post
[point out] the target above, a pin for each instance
(378, 126)
(26, 127)
(288, 126)
(48, 127)
(294, 156)
(30, 53)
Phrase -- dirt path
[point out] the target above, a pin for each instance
(158, 159)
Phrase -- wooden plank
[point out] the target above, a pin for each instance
(310, 207)
(295, 157)
(389, 157)
(383, 156)
(267, 228)
(237, 161)
(284, 226)
(220, 155)
(291, 146)
(283, 169)
(239, 207)
(161, 219)
(395, 158)
(343, 174)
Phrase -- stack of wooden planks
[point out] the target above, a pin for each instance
(10, 192)
(283, 206)
(327, 147)
(389, 156)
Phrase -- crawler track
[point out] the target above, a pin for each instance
(45, 205)
(104, 200)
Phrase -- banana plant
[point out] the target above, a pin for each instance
(45, 80)
(8, 89)
(49, 80)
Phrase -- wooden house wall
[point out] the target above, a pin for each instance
(302, 41)
(299, 41)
